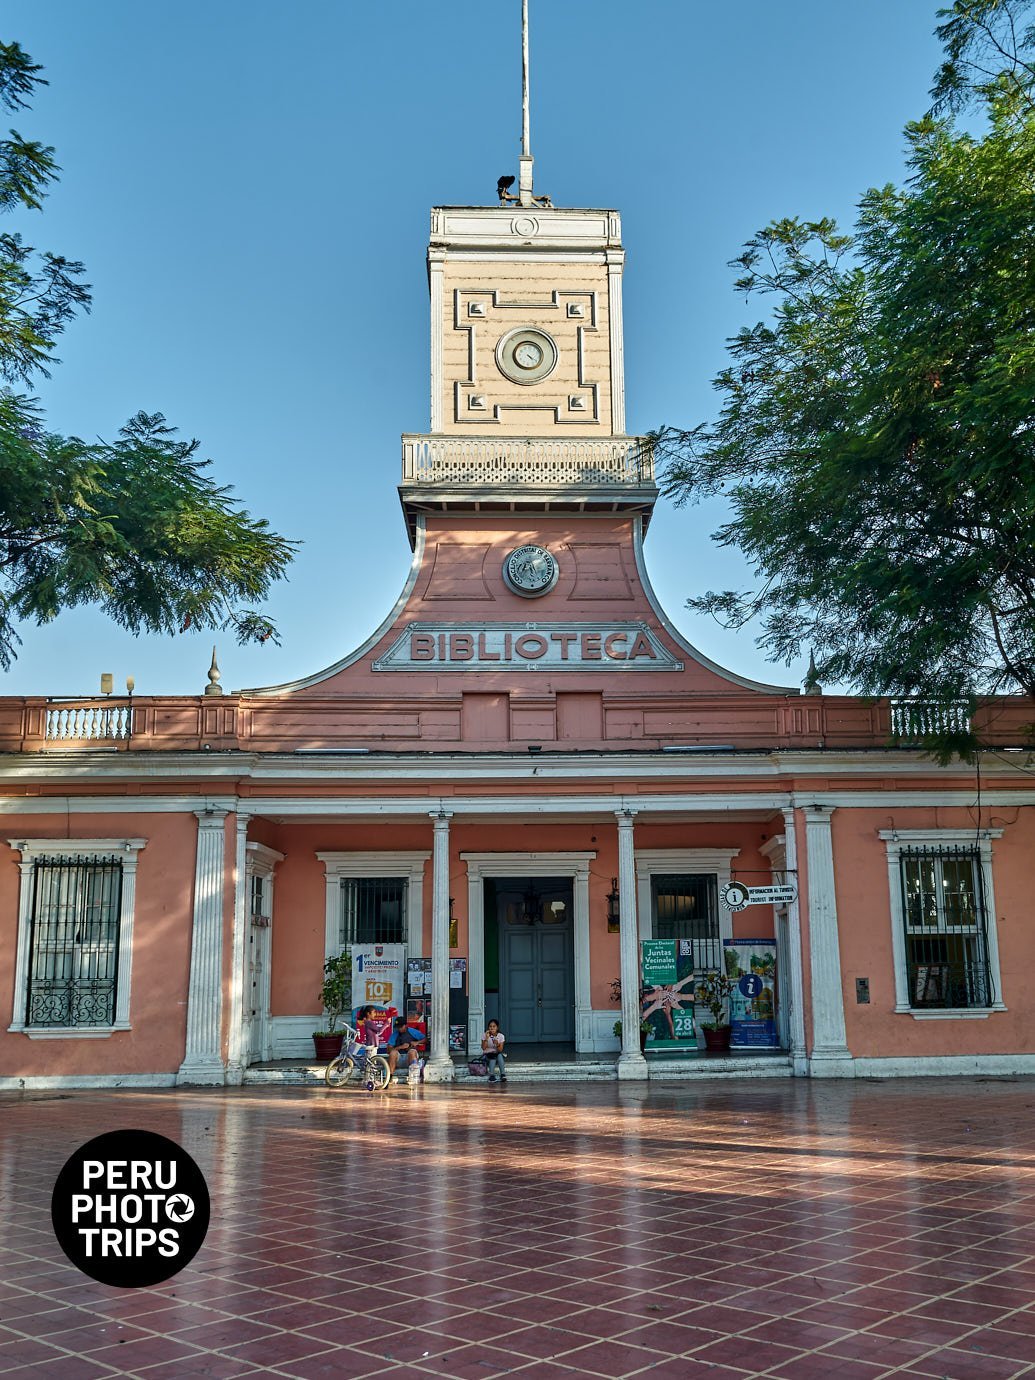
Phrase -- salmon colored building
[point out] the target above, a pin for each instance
(526, 766)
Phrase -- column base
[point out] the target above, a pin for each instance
(234, 1075)
(633, 1066)
(201, 1073)
(439, 1071)
(833, 1063)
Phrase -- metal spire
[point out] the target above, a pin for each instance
(525, 161)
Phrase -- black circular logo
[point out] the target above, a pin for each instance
(130, 1208)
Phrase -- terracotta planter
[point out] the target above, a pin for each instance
(717, 1041)
(328, 1047)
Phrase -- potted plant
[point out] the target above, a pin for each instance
(336, 999)
(713, 990)
(644, 1032)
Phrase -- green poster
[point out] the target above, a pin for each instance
(658, 961)
(667, 968)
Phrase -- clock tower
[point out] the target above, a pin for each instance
(527, 371)
(527, 368)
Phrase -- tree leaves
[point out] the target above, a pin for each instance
(876, 438)
(136, 526)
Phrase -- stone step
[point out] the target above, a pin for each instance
(602, 1070)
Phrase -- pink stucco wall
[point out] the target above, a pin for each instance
(863, 907)
(161, 949)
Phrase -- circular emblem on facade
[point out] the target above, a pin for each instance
(525, 226)
(530, 571)
(526, 355)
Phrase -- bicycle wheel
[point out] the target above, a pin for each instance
(339, 1071)
(378, 1073)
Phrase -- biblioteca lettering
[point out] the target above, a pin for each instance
(557, 646)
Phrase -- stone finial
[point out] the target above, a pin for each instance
(214, 677)
(812, 685)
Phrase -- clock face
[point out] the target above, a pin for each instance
(530, 571)
(527, 355)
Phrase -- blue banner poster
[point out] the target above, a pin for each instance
(751, 963)
(667, 973)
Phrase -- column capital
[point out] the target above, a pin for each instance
(441, 818)
(211, 818)
(626, 814)
(818, 814)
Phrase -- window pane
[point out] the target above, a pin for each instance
(921, 893)
(686, 907)
(958, 892)
(373, 910)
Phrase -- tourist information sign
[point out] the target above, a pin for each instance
(736, 896)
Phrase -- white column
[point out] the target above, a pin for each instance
(203, 1057)
(475, 954)
(584, 1033)
(631, 1063)
(440, 1065)
(238, 1028)
(794, 958)
(830, 1056)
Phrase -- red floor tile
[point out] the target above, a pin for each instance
(827, 1232)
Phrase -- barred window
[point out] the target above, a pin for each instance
(74, 941)
(943, 909)
(686, 907)
(373, 910)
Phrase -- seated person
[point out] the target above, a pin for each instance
(492, 1052)
(406, 1045)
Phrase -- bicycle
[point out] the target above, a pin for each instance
(357, 1063)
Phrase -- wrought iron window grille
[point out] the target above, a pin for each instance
(74, 941)
(946, 928)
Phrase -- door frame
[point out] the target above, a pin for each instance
(481, 866)
(260, 861)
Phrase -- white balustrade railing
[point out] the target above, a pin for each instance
(496, 460)
(86, 723)
(912, 720)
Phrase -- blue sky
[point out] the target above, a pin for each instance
(248, 184)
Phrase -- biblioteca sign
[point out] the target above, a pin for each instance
(527, 647)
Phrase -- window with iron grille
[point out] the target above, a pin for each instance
(74, 941)
(686, 907)
(943, 908)
(373, 910)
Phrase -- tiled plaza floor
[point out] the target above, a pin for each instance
(788, 1229)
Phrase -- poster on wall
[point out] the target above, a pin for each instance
(418, 977)
(667, 1001)
(751, 963)
(378, 975)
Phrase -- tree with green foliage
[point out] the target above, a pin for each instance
(876, 438)
(135, 526)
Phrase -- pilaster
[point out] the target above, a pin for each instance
(436, 271)
(615, 266)
(794, 957)
(830, 1057)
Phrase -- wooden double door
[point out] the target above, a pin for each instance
(536, 960)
